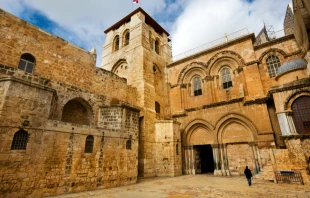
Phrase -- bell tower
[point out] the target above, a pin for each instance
(138, 48)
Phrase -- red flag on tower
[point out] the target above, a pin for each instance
(135, 1)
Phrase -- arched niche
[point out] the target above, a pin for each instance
(191, 70)
(120, 68)
(235, 132)
(198, 128)
(234, 128)
(222, 62)
(201, 136)
(77, 111)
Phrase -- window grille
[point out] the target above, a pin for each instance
(116, 44)
(226, 78)
(26, 63)
(273, 63)
(197, 86)
(128, 145)
(301, 114)
(20, 140)
(89, 144)
(127, 38)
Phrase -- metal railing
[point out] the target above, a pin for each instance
(220, 41)
(288, 176)
(276, 35)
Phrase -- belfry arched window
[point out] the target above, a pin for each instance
(301, 114)
(273, 63)
(226, 78)
(26, 63)
(20, 140)
(197, 86)
(126, 38)
(116, 43)
(89, 144)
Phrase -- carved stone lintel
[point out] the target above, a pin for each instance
(183, 86)
(209, 78)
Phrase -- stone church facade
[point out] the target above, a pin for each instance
(68, 126)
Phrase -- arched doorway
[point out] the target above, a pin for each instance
(301, 114)
(77, 111)
(236, 147)
(198, 153)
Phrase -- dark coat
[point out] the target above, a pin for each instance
(247, 173)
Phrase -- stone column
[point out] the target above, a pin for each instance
(193, 159)
(226, 159)
(183, 95)
(286, 123)
(216, 157)
(251, 144)
(291, 123)
(189, 160)
(223, 159)
(258, 157)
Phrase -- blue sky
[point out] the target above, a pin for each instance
(190, 23)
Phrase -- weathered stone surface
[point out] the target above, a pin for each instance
(69, 126)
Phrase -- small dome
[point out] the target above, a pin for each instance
(292, 65)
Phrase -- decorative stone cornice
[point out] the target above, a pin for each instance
(223, 103)
(173, 86)
(222, 46)
(183, 114)
(297, 136)
(25, 82)
(290, 86)
(193, 109)
(275, 41)
(256, 101)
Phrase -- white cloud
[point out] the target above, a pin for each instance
(200, 22)
(205, 20)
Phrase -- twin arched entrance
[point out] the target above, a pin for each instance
(223, 150)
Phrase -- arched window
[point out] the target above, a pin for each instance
(126, 38)
(226, 78)
(156, 46)
(177, 149)
(197, 86)
(89, 144)
(26, 63)
(20, 140)
(157, 107)
(116, 43)
(273, 63)
(128, 145)
(301, 114)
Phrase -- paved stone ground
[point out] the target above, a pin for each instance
(188, 186)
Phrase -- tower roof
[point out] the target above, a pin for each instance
(148, 19)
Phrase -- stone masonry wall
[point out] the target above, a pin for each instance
(168, 149)
(56, 60)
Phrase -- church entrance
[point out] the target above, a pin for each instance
(204, 159)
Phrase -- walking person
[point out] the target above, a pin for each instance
(248, 175)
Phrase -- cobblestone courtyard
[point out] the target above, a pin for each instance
(199, 186)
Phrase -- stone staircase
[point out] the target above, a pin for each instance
(267, 173)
